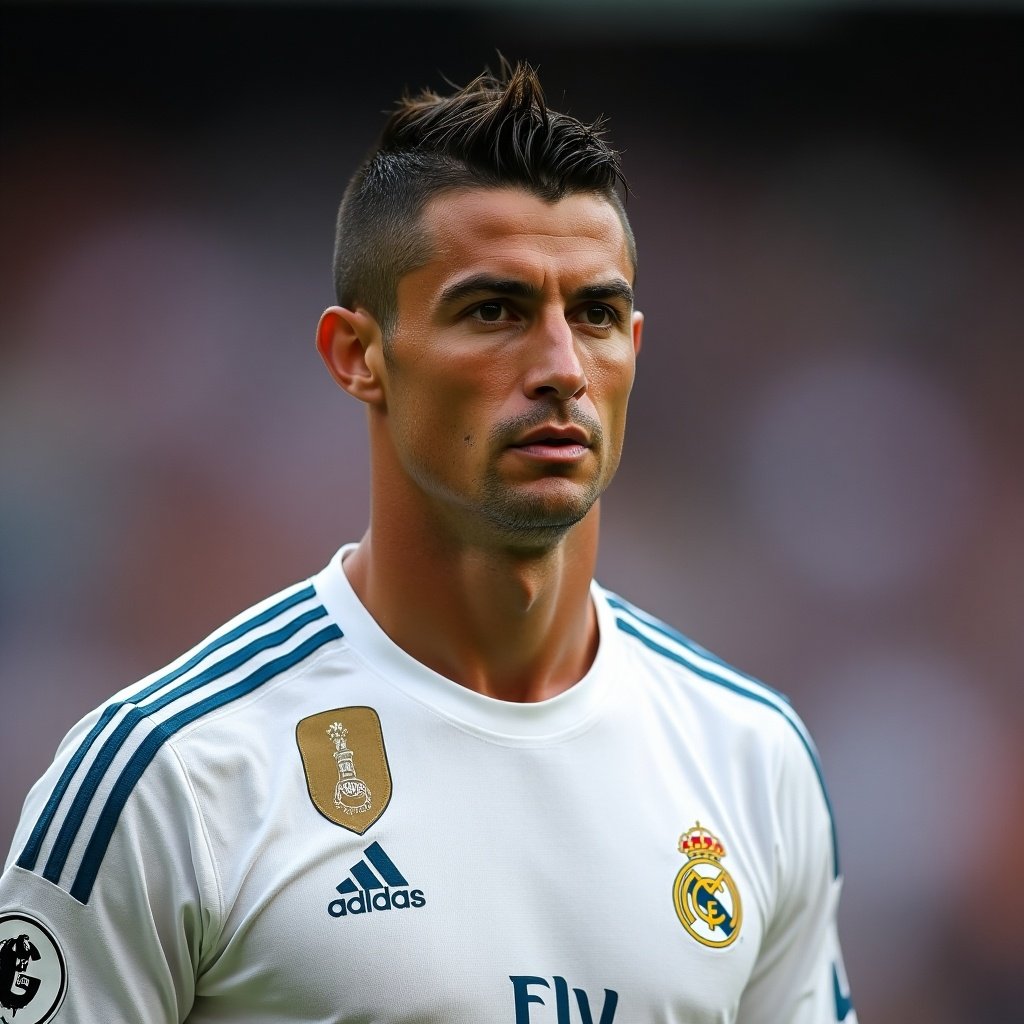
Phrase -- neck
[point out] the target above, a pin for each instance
(514, 625)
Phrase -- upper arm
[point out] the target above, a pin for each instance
(799, 976)
(109, 878)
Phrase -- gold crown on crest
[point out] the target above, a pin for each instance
(699, 842)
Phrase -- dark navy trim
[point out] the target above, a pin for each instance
(139, 761)
(627, 627)
(115, 741)
(673, 634)
(844, 1004)
(30, 854)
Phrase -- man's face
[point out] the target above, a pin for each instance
(508, 374)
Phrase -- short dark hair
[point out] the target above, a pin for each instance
(495, 132)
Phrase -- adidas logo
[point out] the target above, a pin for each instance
(376, 884)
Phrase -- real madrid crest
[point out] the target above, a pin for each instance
(346, 766)
(706, 899)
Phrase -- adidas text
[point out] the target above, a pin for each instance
(365, 902)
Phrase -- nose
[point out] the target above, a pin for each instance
(554, 367)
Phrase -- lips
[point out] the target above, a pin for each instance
(554, 437)
(549, 445)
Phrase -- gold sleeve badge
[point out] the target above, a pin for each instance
(346, 766)
(706, 899)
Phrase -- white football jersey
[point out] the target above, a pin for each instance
(297, 822)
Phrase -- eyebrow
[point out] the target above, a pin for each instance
(487, 284)
(484, 283)
(616, 289)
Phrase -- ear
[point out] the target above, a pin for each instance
(638, 332)
(350, 344)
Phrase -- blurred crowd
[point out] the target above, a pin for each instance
(823, 480)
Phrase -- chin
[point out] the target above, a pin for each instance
(537, 520)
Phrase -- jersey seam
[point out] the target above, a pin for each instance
(208, 844)
(180, 737)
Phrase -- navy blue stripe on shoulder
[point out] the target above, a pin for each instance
(83, 798)
(671, 644)
(82, 886)
(30, 853)
(701, 652)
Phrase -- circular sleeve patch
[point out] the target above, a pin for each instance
(33, 971)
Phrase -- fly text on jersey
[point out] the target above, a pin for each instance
(555, 1003)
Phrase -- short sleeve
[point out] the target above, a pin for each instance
(799, 975)
(108, 890)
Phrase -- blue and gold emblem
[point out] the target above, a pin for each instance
(706, 899)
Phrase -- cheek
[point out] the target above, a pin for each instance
(470, 392)
(441, 416)
(611, 382)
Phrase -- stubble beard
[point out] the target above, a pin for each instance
(534, 521)
(529, 519)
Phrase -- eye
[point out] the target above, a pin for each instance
(598, 316)
(490, 312)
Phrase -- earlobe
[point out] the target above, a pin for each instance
(345, 339)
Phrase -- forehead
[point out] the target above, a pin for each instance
(511, 232)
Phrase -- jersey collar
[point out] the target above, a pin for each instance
(571, 711)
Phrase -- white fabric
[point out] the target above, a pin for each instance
(542, 839)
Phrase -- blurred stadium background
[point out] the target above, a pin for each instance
(824, 479)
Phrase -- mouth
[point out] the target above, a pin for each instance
(554, 435)
(559, 444)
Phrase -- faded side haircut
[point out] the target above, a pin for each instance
(496, 132)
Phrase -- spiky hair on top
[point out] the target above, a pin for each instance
(495, 132)
(502, 127)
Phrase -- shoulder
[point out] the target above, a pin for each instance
(686, 664)
(267, 644)
(736, 713)
(127, 746)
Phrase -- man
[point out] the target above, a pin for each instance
(449, 778)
